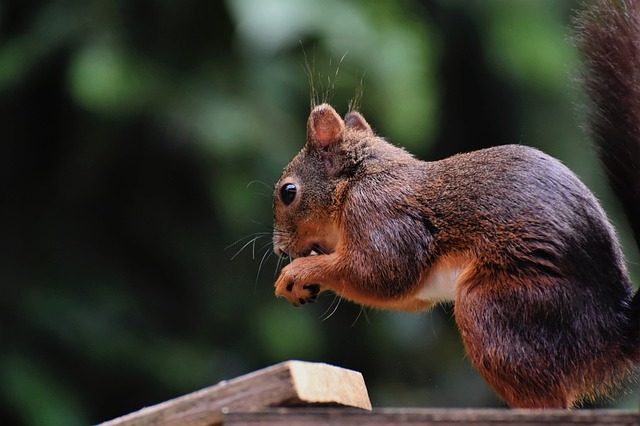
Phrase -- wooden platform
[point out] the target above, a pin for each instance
(430, 416)
(303, 393)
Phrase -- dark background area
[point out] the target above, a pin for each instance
(139, 143)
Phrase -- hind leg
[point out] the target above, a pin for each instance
(520, 342)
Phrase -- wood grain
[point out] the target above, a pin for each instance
(423, 417)
(288, 383)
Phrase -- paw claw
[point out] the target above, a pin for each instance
(314, 289)
(294, 289)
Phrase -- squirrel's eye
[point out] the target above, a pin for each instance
(288, 193)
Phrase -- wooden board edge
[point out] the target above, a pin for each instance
(279, 384)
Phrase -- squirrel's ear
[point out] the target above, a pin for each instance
(325, 127)
(354, 120)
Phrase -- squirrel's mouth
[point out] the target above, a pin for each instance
(312, 238)
(315, 250)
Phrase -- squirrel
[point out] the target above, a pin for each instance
(542, 297)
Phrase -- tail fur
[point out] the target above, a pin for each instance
(608, 37)
(609, 41)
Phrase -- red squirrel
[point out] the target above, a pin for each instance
(510, 235)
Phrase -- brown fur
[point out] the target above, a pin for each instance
(542, 296)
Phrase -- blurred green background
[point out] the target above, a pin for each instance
(139, 142)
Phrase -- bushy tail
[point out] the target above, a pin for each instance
(608, 36)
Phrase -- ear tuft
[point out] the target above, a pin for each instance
(355, 120)
(325, 127)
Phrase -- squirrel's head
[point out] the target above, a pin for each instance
(309, 194)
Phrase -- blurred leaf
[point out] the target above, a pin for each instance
(528, 42)
(102, 78)
(41, 399)
(287, 333)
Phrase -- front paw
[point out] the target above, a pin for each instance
(295, 290)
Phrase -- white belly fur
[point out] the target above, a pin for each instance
(440, 284)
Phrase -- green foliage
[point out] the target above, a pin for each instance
(140, 143)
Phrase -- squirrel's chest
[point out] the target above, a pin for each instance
(441, 282)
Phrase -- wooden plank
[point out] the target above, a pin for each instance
(439, 417)
(288, 383)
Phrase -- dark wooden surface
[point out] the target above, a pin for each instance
(440, 417)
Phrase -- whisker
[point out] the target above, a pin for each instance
(268, 194)
(239, 240)
(362, 312)
(253, 247)
(250, 242)
(269, 187)
(263, 225)
(266, 246)
(278, 267)
(265, 256)
(290, 259)
(324, 315)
